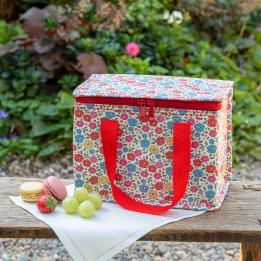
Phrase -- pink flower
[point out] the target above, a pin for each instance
(128, 138)
(79, 168)
(137, 152)
(204, 158)
(79, 123)
(93, 159)
(127, 183)
(132, 49)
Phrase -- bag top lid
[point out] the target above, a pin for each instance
(154, 87)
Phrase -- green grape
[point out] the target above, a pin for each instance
(70, 205)
(81, 194)
(86, 209)
(96, 199)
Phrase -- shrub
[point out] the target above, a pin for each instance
(92, 37)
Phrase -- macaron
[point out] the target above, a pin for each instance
(55, 187)
(31, 191)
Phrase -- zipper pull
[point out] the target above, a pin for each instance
(143, 116)
(151, 108)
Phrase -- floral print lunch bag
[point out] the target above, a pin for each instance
(151, 143)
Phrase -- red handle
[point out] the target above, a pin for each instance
(181, 166)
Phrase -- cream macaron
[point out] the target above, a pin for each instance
(31, 191)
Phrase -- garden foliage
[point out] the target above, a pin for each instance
(52, 48)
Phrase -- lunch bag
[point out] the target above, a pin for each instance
(151, 143)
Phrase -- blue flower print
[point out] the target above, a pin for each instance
(197, 173)
(109, 114)
(199, 127)
(129, 174)
(144, 136)
(182, 112)
(119, 153)
(170, 125)
(78, 183)
(210, 186)
(91, 151)
(145, 143)
(212, 148)
(78, 176)
(176, 118)
(131, 167)
(196, 180)
(79, 138)
(210, 194)
(211, 141)
(197, 134)
(169, 171)
(105, 186)
(102, 165)
(132, 122)
(125, 149)
(144, 188)
(89, 106)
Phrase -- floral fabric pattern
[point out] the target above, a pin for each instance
(154, 87)
(145, 148)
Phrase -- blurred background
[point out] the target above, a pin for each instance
(48, 47)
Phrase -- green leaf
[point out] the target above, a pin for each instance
(50, 149)
(48, 110)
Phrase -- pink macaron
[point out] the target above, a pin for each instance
(54, 187)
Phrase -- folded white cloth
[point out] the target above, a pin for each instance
(107, 233)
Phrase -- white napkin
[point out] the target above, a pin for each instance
(107, 233)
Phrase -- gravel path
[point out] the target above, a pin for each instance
(53, 250)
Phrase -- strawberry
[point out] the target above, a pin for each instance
(46, 204)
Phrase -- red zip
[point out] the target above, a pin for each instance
(151, 103)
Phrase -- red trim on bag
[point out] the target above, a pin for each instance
(176, 104)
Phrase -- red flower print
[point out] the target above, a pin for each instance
(123, 162)
(79, 123)
(86, 163)
(168, 198)
(104, 192)
(168, 155)
(78, 113)
(120, 132)
(193, 189)
(118, 177)
(197, 162)
(79, 168)
(144, 173)
(212, 122)
(143, 163)
(87, 117)
(153, 123)
(137, 152)
(94, 135)
(213, 133)
(159, 185)
(127, 183)
(204, 158)
(160, 140)
(92, 170)
(211, 179)
(131, 156)
(194, 144)
(210, 168)
(93, 180)
(78, 157)
(157, 175)
(152, 168)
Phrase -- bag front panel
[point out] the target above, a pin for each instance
(144, 165)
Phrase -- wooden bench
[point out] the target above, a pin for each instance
(239, 220)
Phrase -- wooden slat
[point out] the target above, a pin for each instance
(237, 221)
